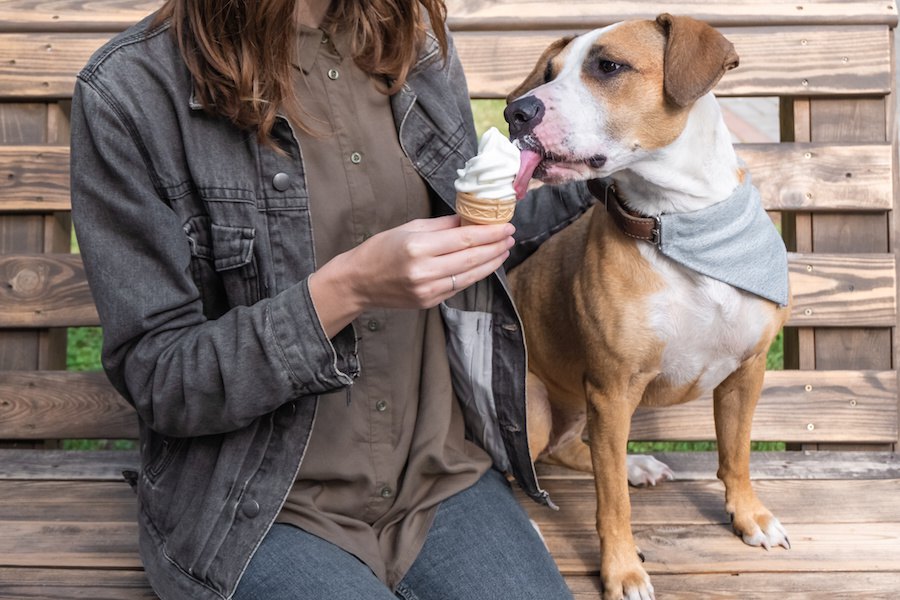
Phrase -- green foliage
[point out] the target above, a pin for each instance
(83, 351)
(489, 113)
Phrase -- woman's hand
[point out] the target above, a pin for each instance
(417, 265)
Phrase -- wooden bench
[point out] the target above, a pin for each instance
(67, 526)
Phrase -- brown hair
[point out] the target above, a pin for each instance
(239, 52)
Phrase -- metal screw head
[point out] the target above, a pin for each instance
(810, 426)
(808, 387)
(807, 312)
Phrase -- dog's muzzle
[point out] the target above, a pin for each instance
(523, 115)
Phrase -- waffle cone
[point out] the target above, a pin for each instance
(474, 210)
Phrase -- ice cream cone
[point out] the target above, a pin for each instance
(474, 210)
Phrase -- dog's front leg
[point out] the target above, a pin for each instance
(734, 402)
(609, 422)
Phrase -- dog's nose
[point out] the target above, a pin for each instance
(523, 115)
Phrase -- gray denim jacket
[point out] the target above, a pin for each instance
(197, 244)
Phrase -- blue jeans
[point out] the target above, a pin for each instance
(481, 546)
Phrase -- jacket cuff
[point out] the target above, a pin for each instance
(315, 363)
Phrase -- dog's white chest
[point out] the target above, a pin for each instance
(707, 327)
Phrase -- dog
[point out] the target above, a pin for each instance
(612, 321)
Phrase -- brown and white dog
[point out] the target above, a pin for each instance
(611, 323)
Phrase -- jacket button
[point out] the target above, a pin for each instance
(281, 181)
(250, 508)
(386, 492)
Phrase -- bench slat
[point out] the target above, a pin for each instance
(815, 177)
(757, 586)
(496, 63)
(44, 65)
(542, 14)
(839, 406)
(840, 290)
(805, 177)
(831, 290)
(115, 15)
(58, 465)
(74, 584)
(834, 547)
(842, 406)
(62, 404)
(34, 178)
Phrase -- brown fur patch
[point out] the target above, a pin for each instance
(635, 96)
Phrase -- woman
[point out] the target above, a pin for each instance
(262, 192)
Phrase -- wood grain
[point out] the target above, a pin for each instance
(495, 63)
(831, 290)
(43, 65)
(74, 584)
(807, 177)
(542, 14)
(815, 177)
(62, 404)
(34, 179)
(50, 290)
(66, 465)
(795, 406)
(758, 586)
(45, 290)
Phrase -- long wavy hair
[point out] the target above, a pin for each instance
(239, 52)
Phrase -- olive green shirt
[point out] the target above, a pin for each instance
(388, 450)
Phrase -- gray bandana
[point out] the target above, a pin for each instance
(733, 241)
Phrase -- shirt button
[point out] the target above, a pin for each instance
(386, 492)
(381, 406)
(333, 74)
(250, 508)
(281, 181)
(373, 325)
(356, 158)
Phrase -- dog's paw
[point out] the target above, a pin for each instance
(761, 529)
(631, 583)
(643, 469)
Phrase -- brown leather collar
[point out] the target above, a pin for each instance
(632, 224)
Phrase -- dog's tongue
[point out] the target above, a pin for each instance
(528, 162)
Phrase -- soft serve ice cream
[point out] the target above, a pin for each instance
(484, 187)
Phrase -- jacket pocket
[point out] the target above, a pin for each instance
(162, 458)
(223, 265)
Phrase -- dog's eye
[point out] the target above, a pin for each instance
(608, 67)
(548, 72)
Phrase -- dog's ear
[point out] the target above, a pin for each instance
(696, 57)
(538, 74)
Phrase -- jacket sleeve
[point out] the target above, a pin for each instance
(185, 375)
(543, 212)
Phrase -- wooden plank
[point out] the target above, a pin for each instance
(701, 466)
(47, 290)
(495, 63)
(115, 15)
(831, 290)
(703, 502)
(808, 177)
(61, 404)
(82, 501)
(814, 177)
(34, 178)
(97, 465)
(74, 584)
(73, 15)
(43, 65)
(816, 547)
(838, 585)
(542, 14)
(795, 406)
(69, 544)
